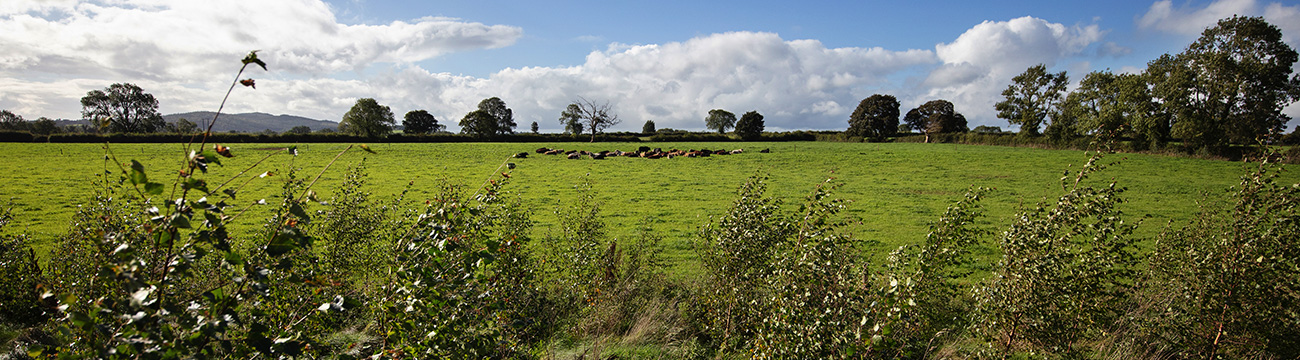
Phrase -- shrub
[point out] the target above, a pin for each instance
(1226, 284)
(1065, 271)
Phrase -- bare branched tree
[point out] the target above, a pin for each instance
(597, 116)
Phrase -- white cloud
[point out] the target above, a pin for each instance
(1187, 21)
(797, 84)
(184, 52)
(192, 44)
(980, 63)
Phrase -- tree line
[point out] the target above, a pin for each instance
(1227, 88)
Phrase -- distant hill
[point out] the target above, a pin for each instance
(251, 122)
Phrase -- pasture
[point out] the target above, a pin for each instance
(897, 189)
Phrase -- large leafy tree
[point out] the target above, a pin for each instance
(491, 119)
(11, 121)
(123, 107)
(571, 118)
(1108, 104)
(420, 122)
(876, 117)
(504, 116)
(591, 115)
(1228, 86)
(934, 117)
(481, 124)
(1032, 97)
(720, 120)
(750, 125)
(648, 127)
(367, 118)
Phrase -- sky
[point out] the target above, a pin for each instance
(803, 65)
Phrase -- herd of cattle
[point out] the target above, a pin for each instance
(643, 152)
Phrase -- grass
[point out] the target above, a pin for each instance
(897, 189)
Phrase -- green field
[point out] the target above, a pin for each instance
(896, 188)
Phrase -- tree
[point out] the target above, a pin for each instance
(750, 125)
(934, 117)
(124, 108)
(11, 121)
(649, 127)
(534, 127)
(571, 118)
(184, 126)
(987, 129)
(420, 122)
(720, 120)
(875, 118)
(1108, 104)
(300, 129)
(591, 115)
(479, 123)
(504, 116)
(44, 126)
(1031, 97)
(1228, 86)
(367, 119)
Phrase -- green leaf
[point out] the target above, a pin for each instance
(153, 188)
(251, 58)
(180, 221)
(297, 210)
(211, 157)
(137, 175)
(233, 258)
(196, 184)
(283, 242)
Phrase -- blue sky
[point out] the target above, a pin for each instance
(804, 65)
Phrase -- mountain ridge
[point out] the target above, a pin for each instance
(251, 122)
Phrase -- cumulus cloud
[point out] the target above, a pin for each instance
(1163, 16)
(191, 43)
(796, 84)
(184, 51)
(980, 63)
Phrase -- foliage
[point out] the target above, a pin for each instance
(533, 128)
(505, 118)
(1109, 105)
(876, 118)
(926, 281)
(299, 130)
(1065, 271)
(124, 108)
(750, 126)
(12, 122)
(648, 127)
(935, 117)
(186, 127)
(420, 122)
(20, 275)
(1031, 98)
(491, 119)
(736, 253)
(367, 119)
(1230, 85)
(1225, 285)
(571, 118)
(720, 120)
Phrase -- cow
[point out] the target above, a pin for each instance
(542, 150)
(555, 152)
(764, 151)
(522, 155)
(574, 155)
(737, 151)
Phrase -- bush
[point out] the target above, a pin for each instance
(1065, 271)
(1227, 284)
